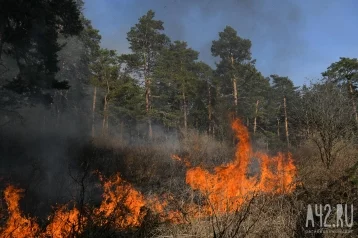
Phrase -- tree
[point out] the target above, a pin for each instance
(175, 70)
(75, 58)
(31, 38)
(285, 96)
(128, 106)
(345, 72)
(253, 95)
(105, 72)
(328, 122)
(234, 52)
(146, 41)
(91, 41)
(204, 102)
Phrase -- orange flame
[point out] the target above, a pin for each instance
(17, 225)
(121, 202)
(160, 205)
(226, 189)
(184, 160)
(229, 185)
(64, 223)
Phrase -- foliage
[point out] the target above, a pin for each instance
(31, 38)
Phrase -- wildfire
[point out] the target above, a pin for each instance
(225, 190)
(160, 205)
(64, 222)
(121, 208)
(121, 202)
(17, 225)
(229, 185)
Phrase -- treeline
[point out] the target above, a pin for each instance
(56, 57)
(162, 82)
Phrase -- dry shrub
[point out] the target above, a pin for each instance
(150, 168)
(203, 149)
(314, 174)
(260, 216)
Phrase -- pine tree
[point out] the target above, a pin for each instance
(32, 40)
(175, 72)
(105, 72)
(146, 41)
(345, 71)
(234, 53)
(204, 100)
(285, 99)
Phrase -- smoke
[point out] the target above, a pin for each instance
(34, 151)
(35, 137)
(274, 27)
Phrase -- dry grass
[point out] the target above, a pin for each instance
(313, 172)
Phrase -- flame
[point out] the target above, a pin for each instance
(229, 186)
(64, 223)
(225, 190)
(183, 160)
(17, 225)
(121, 202)
(122, 205)
(161, 206)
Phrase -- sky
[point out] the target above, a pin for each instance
(298, 39)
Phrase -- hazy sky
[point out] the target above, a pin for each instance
(299, 39)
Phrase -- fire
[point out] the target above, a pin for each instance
(17, 225)
(225, 190)
(121, 202)
(228, 187)
(160, 206)
(185, 160)
(64, 223)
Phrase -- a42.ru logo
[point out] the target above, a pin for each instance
(327, 216)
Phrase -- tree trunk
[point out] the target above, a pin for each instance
(278, 127)
(353, 101)
(234, 84)
(94, 109)
(107, 120)
(147, 106)
(148, 82)
(209, 110)
(105, 111)
(286, 121)
(255, 120)
(104, 115)
(185, 112)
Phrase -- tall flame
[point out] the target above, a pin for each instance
(229, 185)
(17, 225)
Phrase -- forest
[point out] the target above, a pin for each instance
(157, 143)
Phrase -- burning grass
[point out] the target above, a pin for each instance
(223, 191)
